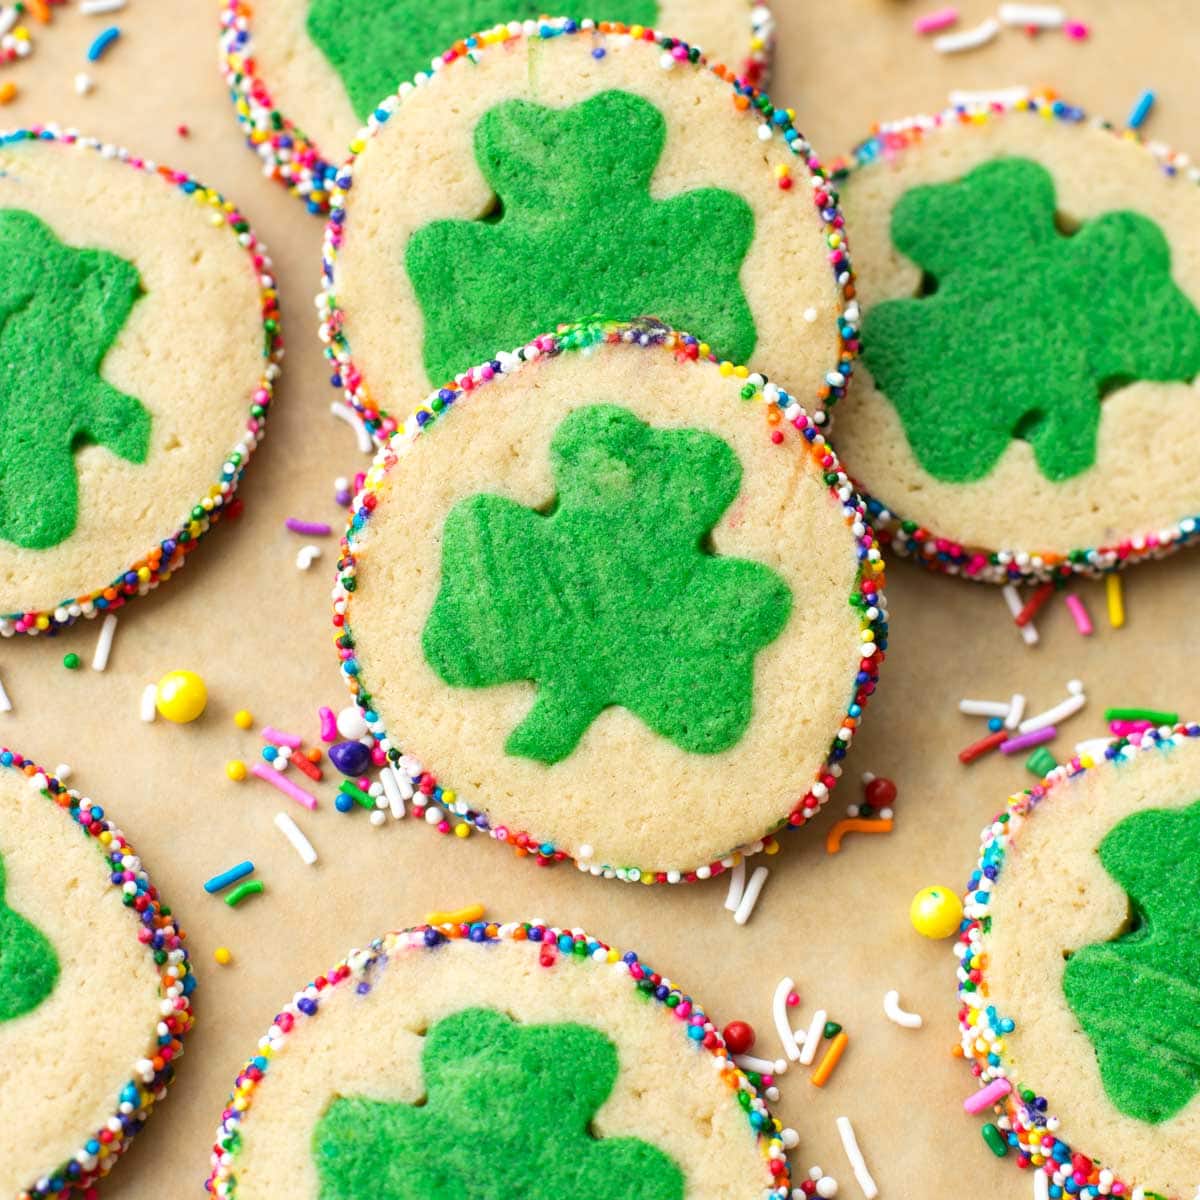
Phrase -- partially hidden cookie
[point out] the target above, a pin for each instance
(1079, 978)
(610, 600)
(506, 1061)
(306, 75)
(1030, 293)
(94, 988)
(139, 340)
(544, 178)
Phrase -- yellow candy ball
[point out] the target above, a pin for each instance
(236, 770)
(223, 956)
(181, 696)
(936, 912)
(462, 830)
(243, 719)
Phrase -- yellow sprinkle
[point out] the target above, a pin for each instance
(8, 92)
(461, 916)
(223, 956)
(243, 719)
(236, 770)
(462, 829)
(1116, 601)
(771, 847)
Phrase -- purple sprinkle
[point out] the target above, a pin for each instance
(1024, 741)
(308, 528)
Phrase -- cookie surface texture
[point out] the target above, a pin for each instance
(306, 74)
(1097, 1018)
(139, 343)
(425, 1065)
(94, 987)
(1031, 342)
(608, 550)
(574, 177)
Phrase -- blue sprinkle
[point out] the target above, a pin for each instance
(1141, 110)
(219, 882)
(104, 39)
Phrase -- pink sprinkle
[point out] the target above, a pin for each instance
(793, 999)
(329, 730)
(278, 738)
(308, 528)
(1023, 741)
(1128, 728)
(986, 1097)
(1076, 30)
(286, 786)
(943, 18)
(1079, 614)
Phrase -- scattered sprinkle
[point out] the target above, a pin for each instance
(243, 718)
(1137, 117)
(1026, 741)
(239, 893)
(1060, 712)
(936, 912)
(1041, 762)
(71, 661)
(308, 528)
(893, 1012)
(1115, 599)
(5, 702)
(783, 1026)
(458, 916)
(1076, 30)
(344, 412)
(1154, 715)
(745, 908)
(1079, 614)
(83, 84)
(220, 882)
(854, 1155)
(1032, 16)
(181, 696)
(104, 641)
(833, 839)
(1016, 711)
(305, 765)
(300, 843)
(1006, 97)
(812, 1039)
(968, 754)
(968, 39)
(103, 40)
(394, 792)
(235, 769)
(1013, 599)
(91, 8)
(995, 1140)
(329, 729)
(270, 775)
(820, 1076)
(984, 708)
(941, 18)
(739, 1037)
(306, 556)
(222, 956)
(8, 92)
(278, 737)
(737, 885)
(149, 706)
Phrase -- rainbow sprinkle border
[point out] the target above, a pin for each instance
(868, 596)
(291, 158)
(554, 945)
(1024, 1121)
(674, 55)
(161, 936)
(940, 554)
(147, 572)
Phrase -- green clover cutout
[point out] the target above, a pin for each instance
(613, 597)
(376, 45)
(1137, 996)
(507, 1116)
(577, 234)
(60, 311)
(1024, 327)
(29, 966)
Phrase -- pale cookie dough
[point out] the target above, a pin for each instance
(566, 175)
(449, 1054)
(139, 333)
(305, 75)
(1030, 292)
(1080, 975)
(669, 667)
(90, 1023)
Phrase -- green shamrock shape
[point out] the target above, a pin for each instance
(376, 45)
(28, 964)
(1022, 329)
(1137, 996)
(60, 311)
(507, 1117)
(613, 596)
(577, 234)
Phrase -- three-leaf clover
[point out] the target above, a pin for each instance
(506, 1117)
(60, 311)
(612, 597)
(1024, 327)
(577, 234)
(376, 45)
(29, 966)
(1137, 996)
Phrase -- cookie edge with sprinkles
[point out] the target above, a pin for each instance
(747, 101)
(944, 555)
(1024, 1124)
(208, 510)
(289, 156)
(553, 945)
(644, 336)
(148, 1083)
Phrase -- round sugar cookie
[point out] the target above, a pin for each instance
(566, 175)
(1079, 978)
(139, 341)
(94, 987)
(306, 75)
(434, 1062)
(610, 600)
(1030, 293)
